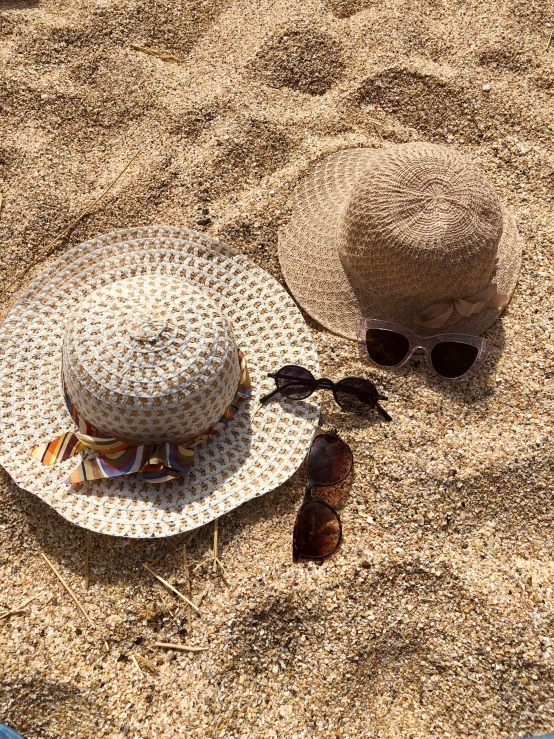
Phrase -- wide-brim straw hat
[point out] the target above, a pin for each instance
(141, 329)
(412, 233)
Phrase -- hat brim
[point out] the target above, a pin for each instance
(309, 254)
(260, 449)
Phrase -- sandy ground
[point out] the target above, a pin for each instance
(436, 618)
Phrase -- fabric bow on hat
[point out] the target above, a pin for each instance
(437, 315)
(157, 462)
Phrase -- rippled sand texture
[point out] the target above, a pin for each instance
(436, 617)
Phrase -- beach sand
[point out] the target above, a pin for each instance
(436, 618)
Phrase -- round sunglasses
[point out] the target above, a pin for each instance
(352, 394)
(318, 529)
(449, 356)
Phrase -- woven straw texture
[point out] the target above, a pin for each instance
(112, 310)
(150, 358)
(387, 233)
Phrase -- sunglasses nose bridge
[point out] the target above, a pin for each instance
(324, 382)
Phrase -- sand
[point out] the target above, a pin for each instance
(436, 617)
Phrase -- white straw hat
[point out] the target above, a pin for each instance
(139, 335)
(412, 233)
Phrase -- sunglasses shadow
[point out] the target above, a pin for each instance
(296, 406)
(334, 417)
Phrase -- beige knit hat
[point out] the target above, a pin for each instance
(412, 233)
(141, 340)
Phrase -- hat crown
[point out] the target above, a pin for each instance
(150, 359)
(421, 223)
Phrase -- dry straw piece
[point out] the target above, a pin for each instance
(179, 647)
(175, 545)
(143, 326)
(189, 587)
(68, 588)
(19, 609)
(87, 562)
(388, 233)
(171, 587)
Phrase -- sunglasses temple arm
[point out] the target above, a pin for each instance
(308, 491)
(383, 412)
(269, 396)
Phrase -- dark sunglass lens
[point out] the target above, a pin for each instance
(453, 359)
(356, 395)
(295, 382)
(317, 531)
(329, 461)
(387, 348)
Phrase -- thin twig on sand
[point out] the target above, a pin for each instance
(135, 662)
(146, 663)
(203, 561)
(180, 647)
(186, 537)
(67, 587)
(549, 40)
(217, 561)
(154, 52)
(376, 126)
(72, 225)
(223, 572)
(1, 201)
(170, 586)
(87, 562)
(189, 587)
(216, 530)
(19, 609)
(201, 597)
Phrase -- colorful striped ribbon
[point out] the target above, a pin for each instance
(157, 462)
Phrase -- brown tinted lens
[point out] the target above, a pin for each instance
(356, 395)
(317, 531)
(452, 358)
(387, 348)
(329, 460)
(295, 382)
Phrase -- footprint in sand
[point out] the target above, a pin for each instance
(301, 58)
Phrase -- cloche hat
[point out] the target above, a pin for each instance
(412, 233)
(129, 381)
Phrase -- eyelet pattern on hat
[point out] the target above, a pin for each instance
(258, 451)
(150, 359)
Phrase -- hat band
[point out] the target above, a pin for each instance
(157, 462)
(438, 314)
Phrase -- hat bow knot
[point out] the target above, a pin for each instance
(437, 314)
(157, 462)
